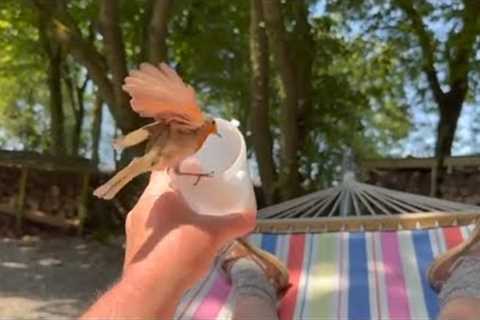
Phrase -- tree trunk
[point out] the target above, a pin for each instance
(79, 116)
(97, 129)
(158, 31)
(77, 102)
(304, 49)
(259, 110)
(117, 63)
(54, 80)
(290, 179)
(450, 111)
(70, 90)
(114, 48)
(57, 117)
(459, 64)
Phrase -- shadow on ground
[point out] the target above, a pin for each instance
(54, 278)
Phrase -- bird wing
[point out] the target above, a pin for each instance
(152, 159)
(137, 136)
(137, 166)
(159, 92)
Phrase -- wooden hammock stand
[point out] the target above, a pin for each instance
(365, 224)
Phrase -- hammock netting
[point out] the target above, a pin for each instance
(352, 199)
(354, 251)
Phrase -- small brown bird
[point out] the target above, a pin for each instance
(179, 131)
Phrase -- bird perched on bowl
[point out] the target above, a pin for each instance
(179, 131)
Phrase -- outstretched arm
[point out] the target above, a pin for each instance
(168, 249)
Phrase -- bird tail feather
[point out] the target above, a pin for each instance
(109, 189)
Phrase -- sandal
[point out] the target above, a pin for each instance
(443, 266)
(275, 271)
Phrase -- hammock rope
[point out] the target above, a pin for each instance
(355, 199)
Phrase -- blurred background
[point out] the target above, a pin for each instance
(317, 87)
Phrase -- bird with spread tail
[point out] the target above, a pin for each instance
(180, 128)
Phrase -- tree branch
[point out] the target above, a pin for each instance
(427, 44)
(463, 48)
(83, 87)
(67, 33)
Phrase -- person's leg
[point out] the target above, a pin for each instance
(255, 297)
(259, 281)
(461, 309)
(456, 274)
(253, 308)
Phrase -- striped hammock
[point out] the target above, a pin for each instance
(341, 275)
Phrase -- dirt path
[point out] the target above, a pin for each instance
(54, 278)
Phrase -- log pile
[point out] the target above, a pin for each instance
(47, 191)
(461, 184)
(52, 197)
(9, 178)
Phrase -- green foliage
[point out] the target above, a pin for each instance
(24, 95)
(357, 104)
(22, 89)
(358, 82)
(385, 21)
(212, 53)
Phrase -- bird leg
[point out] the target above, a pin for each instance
(193, 174)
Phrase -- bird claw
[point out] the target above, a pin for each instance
(199, 176)
(203, 175)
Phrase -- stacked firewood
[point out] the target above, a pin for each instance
(55, 193)
(9, 179)
(460, 184)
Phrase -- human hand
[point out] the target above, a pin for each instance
(165, 235)
(169, 247)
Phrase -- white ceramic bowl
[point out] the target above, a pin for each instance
(230, 189)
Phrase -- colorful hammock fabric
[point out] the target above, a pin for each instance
(342, 275)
